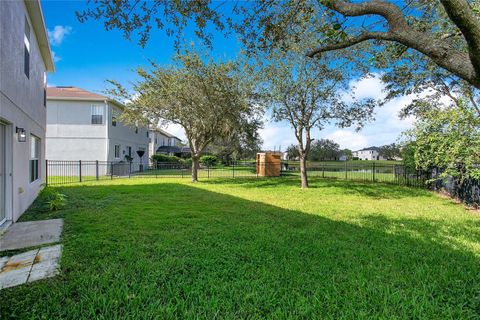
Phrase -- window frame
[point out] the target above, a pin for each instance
(116, 151)
(27, 30)
(34, 161)
(93, 109)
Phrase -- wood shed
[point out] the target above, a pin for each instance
(268, 164)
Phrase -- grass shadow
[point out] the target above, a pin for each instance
(172, 250)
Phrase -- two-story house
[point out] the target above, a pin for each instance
(370, 153)
(25, 59)
(165, 143)
(83, 125)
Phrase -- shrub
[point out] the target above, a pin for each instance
(50, 199)
(208, 160)
(187, 162)
(158, 157)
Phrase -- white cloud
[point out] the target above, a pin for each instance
(58, 33)
(385, 129)
(55, 57)
(348, 139)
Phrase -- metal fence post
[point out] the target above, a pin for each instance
(373, 170)
(111, 170)
(323, 170)
(345, 170)
(208, 171)
(80, 170)
(46, 172)
(96, 169)
(129, 168)
(233, 169)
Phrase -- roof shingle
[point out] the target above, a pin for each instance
(72, 92)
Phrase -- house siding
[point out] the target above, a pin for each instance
(21, 105)
(72, 136)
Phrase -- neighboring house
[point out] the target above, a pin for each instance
(82, 125)
(343, 157)
(165, 143)
(25, 58)
(370, 153)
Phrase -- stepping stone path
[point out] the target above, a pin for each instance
(31, 233)
(30, 266)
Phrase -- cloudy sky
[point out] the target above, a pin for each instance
(86, 55)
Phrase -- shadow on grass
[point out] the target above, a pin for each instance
(376, 190)
(176, 251)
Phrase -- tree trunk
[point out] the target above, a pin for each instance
(195, 166)
(303, 171)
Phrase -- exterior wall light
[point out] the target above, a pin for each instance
(21, 134)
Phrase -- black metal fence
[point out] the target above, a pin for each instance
(65, 172)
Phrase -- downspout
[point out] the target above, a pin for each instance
(107, 131)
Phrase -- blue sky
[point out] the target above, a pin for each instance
(86, 55)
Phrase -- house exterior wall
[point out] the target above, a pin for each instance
(70, 133)
(368, 155)
(158, 139)
(21, 105)
(72, 136)
(126, 136)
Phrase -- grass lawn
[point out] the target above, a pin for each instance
(257, 249)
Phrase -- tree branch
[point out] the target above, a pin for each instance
(465, 66)
(351, 42)
(464, 18)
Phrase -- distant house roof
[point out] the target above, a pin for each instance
(368, 149)
(74, 93)
(35, 13)
(172, 149)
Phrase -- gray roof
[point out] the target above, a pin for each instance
(369, 148)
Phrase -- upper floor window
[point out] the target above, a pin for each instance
(136, 129)
(114, 120)
(26, 49)
(97, 114)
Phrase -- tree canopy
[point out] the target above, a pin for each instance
(209, 100)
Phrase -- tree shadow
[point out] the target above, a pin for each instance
(173, 250)
(376, 190)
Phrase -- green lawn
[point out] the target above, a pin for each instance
(257, 249)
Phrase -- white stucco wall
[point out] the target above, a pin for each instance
(21, 105)
(71, 136)
(125, 136)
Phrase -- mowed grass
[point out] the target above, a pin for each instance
(257, 249)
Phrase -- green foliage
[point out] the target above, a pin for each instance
(208, 160)
(158, 158)
(292, 152)
(450, 139)
(187, 161)
(324, 149)
(389, 151)
(49, 199)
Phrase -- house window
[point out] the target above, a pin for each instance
(136, 129)
(45, 89)
(34, 157)
(117, 151)
(26, 49)
(148, 134)
(114, 121)
(156, 141)
(97, 114)
(129, 151)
